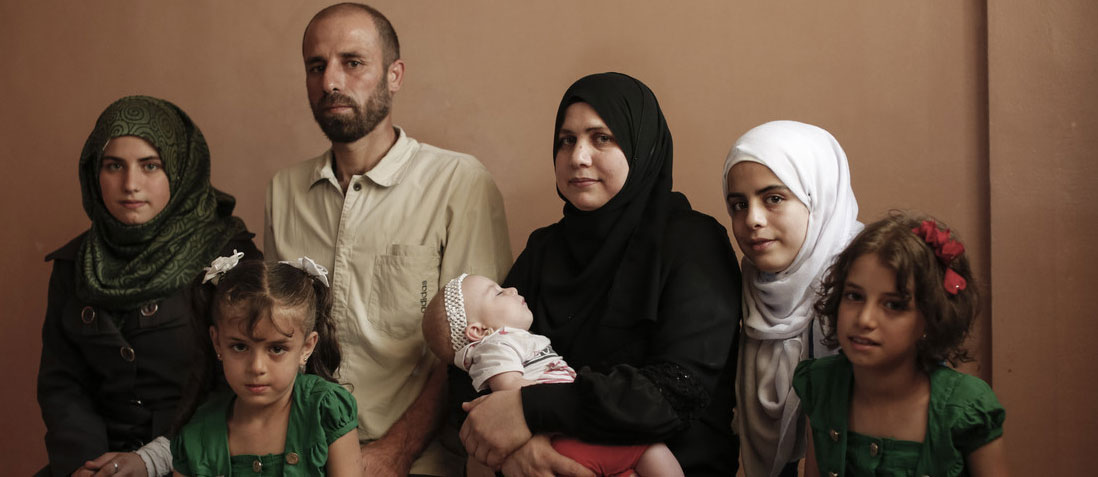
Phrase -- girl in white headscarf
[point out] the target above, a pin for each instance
(787, 188)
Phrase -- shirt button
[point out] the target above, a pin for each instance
(292, 458)
(874, 449)
(149, 309)
(87, 315)
(257, 466)
(832, 474)
(127, 353)
(358, 186)
(834, 435)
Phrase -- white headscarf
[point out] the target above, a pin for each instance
(778, 306)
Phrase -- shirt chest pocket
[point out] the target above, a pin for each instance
(405, 280)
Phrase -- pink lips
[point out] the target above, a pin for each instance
(337, 109)
(132, 204)
(861, 344)
(760, 245)
(256, 388)
(582, 181)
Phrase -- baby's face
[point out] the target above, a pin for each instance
(494, 307)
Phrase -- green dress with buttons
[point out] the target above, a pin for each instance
(321, 412)
(963, 415)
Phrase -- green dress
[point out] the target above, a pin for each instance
(321, 412)
(963, 415)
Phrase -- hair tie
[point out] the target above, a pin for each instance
(455, 312)
(220, 266)
(311, 268)
(946, 249)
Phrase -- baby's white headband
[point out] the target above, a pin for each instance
(455, 312)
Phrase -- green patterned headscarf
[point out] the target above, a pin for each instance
(124, 266)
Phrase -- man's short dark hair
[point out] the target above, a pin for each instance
(390, 44)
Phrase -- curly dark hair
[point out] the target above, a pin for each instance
(948, 317)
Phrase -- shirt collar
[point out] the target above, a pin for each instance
(388, 172)
(322, 170)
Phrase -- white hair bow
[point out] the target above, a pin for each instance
(310, 267)
(220, 265)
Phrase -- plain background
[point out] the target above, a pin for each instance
(980, 113)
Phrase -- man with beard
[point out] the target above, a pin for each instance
(393, 220)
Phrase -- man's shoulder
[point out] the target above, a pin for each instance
(437, 157)
(301, 170)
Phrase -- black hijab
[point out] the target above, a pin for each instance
(604, 264)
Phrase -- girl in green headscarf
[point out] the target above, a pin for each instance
(118, 334)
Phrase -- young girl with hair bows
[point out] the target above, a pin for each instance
(272, 332)
(899, 302)
(787, 188)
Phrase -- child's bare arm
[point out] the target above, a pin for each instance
(811, 467)
(343, 456)
(508, 380)
(989, 460)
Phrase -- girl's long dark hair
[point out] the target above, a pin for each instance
(250, 291)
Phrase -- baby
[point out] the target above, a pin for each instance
(483, 329)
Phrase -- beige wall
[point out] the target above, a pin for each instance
(902, 85)
(1043, 74)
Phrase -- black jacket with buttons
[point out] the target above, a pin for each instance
(101, 389)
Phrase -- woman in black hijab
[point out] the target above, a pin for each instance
(632, 286)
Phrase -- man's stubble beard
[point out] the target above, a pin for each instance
(346, 130)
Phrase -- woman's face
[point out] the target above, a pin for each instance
(769, 222)
(591, 168)
(132, 180)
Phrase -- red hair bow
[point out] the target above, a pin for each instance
(946, 249)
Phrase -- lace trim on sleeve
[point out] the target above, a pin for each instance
(679, 387)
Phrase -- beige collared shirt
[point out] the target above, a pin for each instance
(420, 217)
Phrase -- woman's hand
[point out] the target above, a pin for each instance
(538, 458)
(495, 427)
(122, 464)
